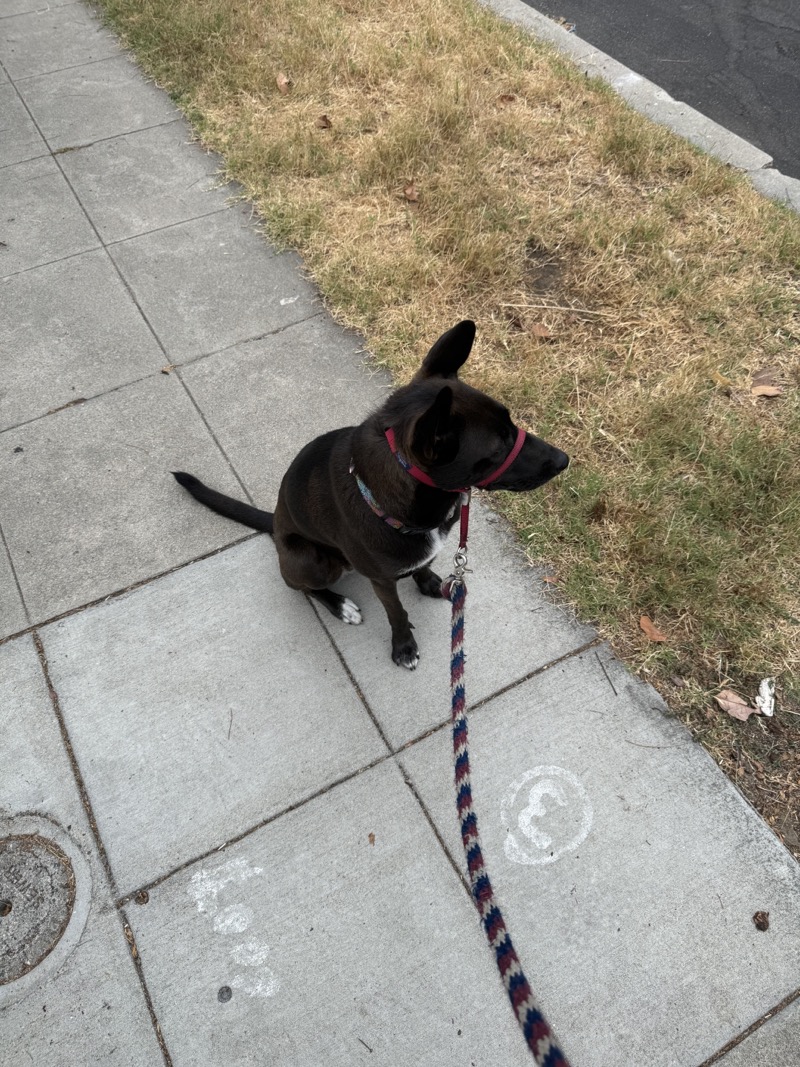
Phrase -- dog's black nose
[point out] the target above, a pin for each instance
(560, 460)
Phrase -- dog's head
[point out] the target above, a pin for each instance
(463, 437)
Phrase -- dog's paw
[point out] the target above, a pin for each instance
(406, 654)
(429, 584)
(349, 612)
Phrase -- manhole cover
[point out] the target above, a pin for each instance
(37, 892)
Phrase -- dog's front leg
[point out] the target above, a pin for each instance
(404, 648)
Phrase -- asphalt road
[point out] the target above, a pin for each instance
(737, 61)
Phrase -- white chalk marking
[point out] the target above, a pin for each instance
(254, 954)
(233, 920)
(536, 834)
(206, 886)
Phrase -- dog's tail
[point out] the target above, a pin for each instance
(225, 505)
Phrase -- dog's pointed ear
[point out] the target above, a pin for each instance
(433, 431)
(449, 353)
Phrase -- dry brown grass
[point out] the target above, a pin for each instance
(539, 202)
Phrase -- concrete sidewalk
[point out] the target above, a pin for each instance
(227, 825)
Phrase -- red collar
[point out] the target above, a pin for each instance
(426, 479)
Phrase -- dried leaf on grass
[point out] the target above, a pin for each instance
(766, 390)
(651, 631)
(323, 123)
(541, 331)
(411, 193)
(736, 706)
(765, 382)
(505, 99)
(284, 83)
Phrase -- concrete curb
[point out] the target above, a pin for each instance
(654, 102)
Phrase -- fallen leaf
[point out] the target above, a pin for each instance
(323, 123)
(735, 706)
(761, 920)
(372, 839)
(766, 376)
(766, 390)
(720, 379)
(168, 368)
(411, 193)
(646, 624)
(505, 99)
(551, 579)
(284, 83)
(538, 330)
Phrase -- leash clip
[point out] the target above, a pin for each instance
(460, 563)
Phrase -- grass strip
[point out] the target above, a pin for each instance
(432, 162)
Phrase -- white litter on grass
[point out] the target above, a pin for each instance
(765, 701)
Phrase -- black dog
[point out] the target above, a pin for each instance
(380, 498)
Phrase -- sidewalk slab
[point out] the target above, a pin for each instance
(512, 629)
(41, 220)
(776, 1043)
(46, 40)
(627, 866)
(12, 612)
(21, 140)
(82, 1004)
(178, 274)
(80, 105)
(106, 511)
(11, 8)
(334, 950)
(145, 181)
(72, 331)
(200, 705)
(265, 400)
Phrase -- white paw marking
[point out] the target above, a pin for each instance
(546, 812)
(411, 662)
(350, 612)
(205, 888)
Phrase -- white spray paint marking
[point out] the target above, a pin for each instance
(289, 300)
(233, 920)
(254, 955)
(552, 816)
(206, 886)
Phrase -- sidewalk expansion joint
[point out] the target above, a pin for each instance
(137, 963)
(346, 668)
(785, 1003)
(323, 791)
(72, 66)
(172, 226)
(76, 771)
(14, 573)
(127, 589)
(435, 829)
(154, 374)
(213, 436)
(389, 755)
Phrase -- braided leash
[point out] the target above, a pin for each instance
(541, 1040)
